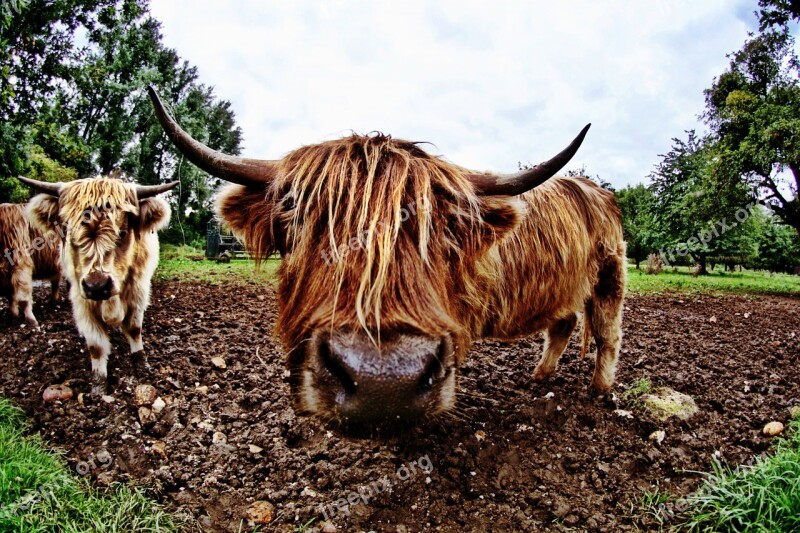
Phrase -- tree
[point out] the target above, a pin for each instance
(753, 110)
(79, 110)
(777, 13)
(690, 220)
(778, 246)
(636, 205)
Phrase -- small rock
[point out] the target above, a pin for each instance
(144, 395)
(219, 362)
(158, 405)
(57, 393)
(146, 416)
(219, 438)
(202, 389)
(623, 413)
(665, 402)
(261, 512)
(550, 395)
(480, 435)
(794, 412)
(159, 447)
(178, 320)
(256, 449)
(308, 491)
(105, 479)
(108, 399)
(713, 320)
(80, 399)
(658, 436)
(773, 428)
(328, 527)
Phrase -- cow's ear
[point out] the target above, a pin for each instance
(249, 213)
(42, 211)
(500, 215)
(154, 215)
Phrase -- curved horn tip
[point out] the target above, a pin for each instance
(53, 189)
(525, 180)
(148, 191)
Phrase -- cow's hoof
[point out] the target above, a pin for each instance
(139, 362)
(542, 375)
(99, 384)
(599, 388)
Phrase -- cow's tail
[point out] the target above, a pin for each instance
(587, 333)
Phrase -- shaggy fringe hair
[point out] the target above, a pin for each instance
(104, 194)
(327, 184)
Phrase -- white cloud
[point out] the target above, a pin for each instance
(489, 83)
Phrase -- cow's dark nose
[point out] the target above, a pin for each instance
(403, 378)
(98, 286)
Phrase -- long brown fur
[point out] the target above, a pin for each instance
(461, 264)
(33, 256)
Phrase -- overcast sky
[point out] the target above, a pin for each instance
(488, 83)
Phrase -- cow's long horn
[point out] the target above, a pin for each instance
(147, 191)
(525, 180)
(53, 189)
(247, 172)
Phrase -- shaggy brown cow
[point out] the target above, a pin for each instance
(110, 251)
(394, 261)
(27, 255)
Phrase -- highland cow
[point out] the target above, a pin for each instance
(377, 308)
(110, 251)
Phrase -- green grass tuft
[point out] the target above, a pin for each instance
(39, 493)
(638, 388)
(762, 498)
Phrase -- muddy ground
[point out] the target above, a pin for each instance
(512, 458)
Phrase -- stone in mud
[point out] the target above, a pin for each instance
(57, 393)
(664, 403)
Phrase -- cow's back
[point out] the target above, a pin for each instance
(548, 267)
(17, 236)
(14, 240)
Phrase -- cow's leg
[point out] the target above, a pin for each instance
(132, 328)
(99, 348)
(22, 296)
(605, 317)
(55, 286)
(555, 343)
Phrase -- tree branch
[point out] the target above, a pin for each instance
(795, 168)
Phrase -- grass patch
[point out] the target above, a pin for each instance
(682, 280)
(762, 498)
(39, 493)
(183, 263)
(638, 388)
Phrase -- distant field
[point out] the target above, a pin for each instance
(187, 264)
(749, 281)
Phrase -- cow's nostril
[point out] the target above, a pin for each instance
(335, 369)
(432, 372)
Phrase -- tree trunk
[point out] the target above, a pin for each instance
(702, 270)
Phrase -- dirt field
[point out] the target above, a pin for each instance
(512, 458)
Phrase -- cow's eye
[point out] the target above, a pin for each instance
(288, 202)
(123, 234)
